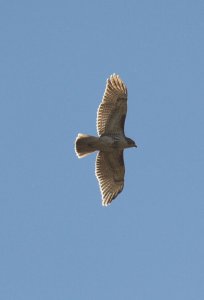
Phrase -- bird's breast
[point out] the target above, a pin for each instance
(111, 143)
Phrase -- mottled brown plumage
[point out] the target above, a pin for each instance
(110, 168)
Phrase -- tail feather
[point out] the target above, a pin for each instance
(85, 144)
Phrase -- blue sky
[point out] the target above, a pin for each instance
(57, 241)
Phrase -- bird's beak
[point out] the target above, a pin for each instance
(135, 146)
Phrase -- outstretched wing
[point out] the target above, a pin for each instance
(113, 108)
(110, 172)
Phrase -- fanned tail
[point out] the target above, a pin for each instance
(85, 144)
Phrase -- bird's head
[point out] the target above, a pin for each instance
(130, 143)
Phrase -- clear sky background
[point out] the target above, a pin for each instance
(56, 240)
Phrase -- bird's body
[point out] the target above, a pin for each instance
(111, 140)
(114, 142)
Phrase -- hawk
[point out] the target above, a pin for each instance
(111, 140)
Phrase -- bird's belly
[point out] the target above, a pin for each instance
(109, 143)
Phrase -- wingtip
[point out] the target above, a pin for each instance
(113, 75)
(104, 203)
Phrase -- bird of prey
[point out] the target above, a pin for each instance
(111, 140)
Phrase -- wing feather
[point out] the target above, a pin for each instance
(113, 107)
(110, 172)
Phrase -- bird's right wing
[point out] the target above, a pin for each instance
(110, 172)
(113, 108)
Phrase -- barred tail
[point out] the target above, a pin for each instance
(85, 144)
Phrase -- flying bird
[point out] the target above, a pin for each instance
(111, 140)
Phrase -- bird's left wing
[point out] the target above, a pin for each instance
(110, 172)
(113, 108)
